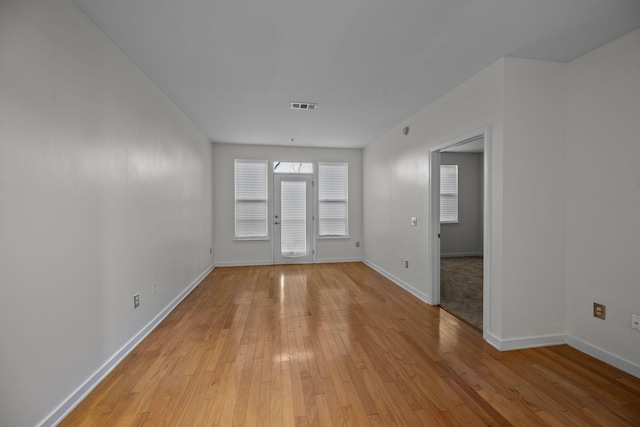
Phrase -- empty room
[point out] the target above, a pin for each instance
(242, 213)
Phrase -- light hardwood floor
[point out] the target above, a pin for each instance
(338, 344)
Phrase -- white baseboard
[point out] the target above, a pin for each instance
(526, 342)
(404, 285)
(550, 340)
(270, 262)
(334, 260)
(243, 263)
(92, 382)
(603, 355)
(460, 254)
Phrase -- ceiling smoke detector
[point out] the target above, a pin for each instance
(303, 105)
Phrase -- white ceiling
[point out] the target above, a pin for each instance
(234, 66)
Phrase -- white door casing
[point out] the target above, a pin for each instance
(434, 229)
(293, 218)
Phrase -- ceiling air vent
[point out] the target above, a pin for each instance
(303, 105)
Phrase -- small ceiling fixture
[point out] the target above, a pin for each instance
(304, 105)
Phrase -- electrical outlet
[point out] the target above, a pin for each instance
(357, 244)
(210, 250)
(136, 300)
(155, 287)
(414, 221)
(599, 311)
(406, 263)
(635, 322)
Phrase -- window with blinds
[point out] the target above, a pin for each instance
(251, 199)
(448, 193)
(333, 200)
(293, 228)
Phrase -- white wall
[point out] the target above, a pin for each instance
(533, 192)
(603, 197)
(465, 236)
(396, 181)
(231, 252)
(105, 187)
(523, 102)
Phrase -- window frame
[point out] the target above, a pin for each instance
(345, 200)
(451, 194)
(264, 200)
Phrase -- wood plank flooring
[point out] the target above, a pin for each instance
(338, 344)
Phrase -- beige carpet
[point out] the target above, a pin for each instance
(461, 288)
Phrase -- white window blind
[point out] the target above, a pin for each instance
(251, 199)
(448, 193)
(293, 228)
(333, 199)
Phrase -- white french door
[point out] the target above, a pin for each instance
(292, 218)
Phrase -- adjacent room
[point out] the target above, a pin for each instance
(461, 230)
(241, 213)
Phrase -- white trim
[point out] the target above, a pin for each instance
(627, 366)
(278, 256)
(434, 229)
(460, 254)
(526, 342)
(486, 230)
(334, 260)
(243, 263)
(404, 285)
(434, 213)
(58, 414)
(270, 262)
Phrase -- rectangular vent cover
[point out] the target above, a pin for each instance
(303, 105)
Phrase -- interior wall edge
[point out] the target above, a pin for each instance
(399, 282)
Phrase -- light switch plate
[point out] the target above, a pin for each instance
(414, 221)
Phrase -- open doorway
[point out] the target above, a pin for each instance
(459, 224)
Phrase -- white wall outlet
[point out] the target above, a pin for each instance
(136, 301)
(155, 287)
(414, 221)
(635, 322)
(406, 263)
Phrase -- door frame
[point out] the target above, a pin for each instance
(309, 178)
(434, 213)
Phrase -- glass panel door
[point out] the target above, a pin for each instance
(293, 219)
